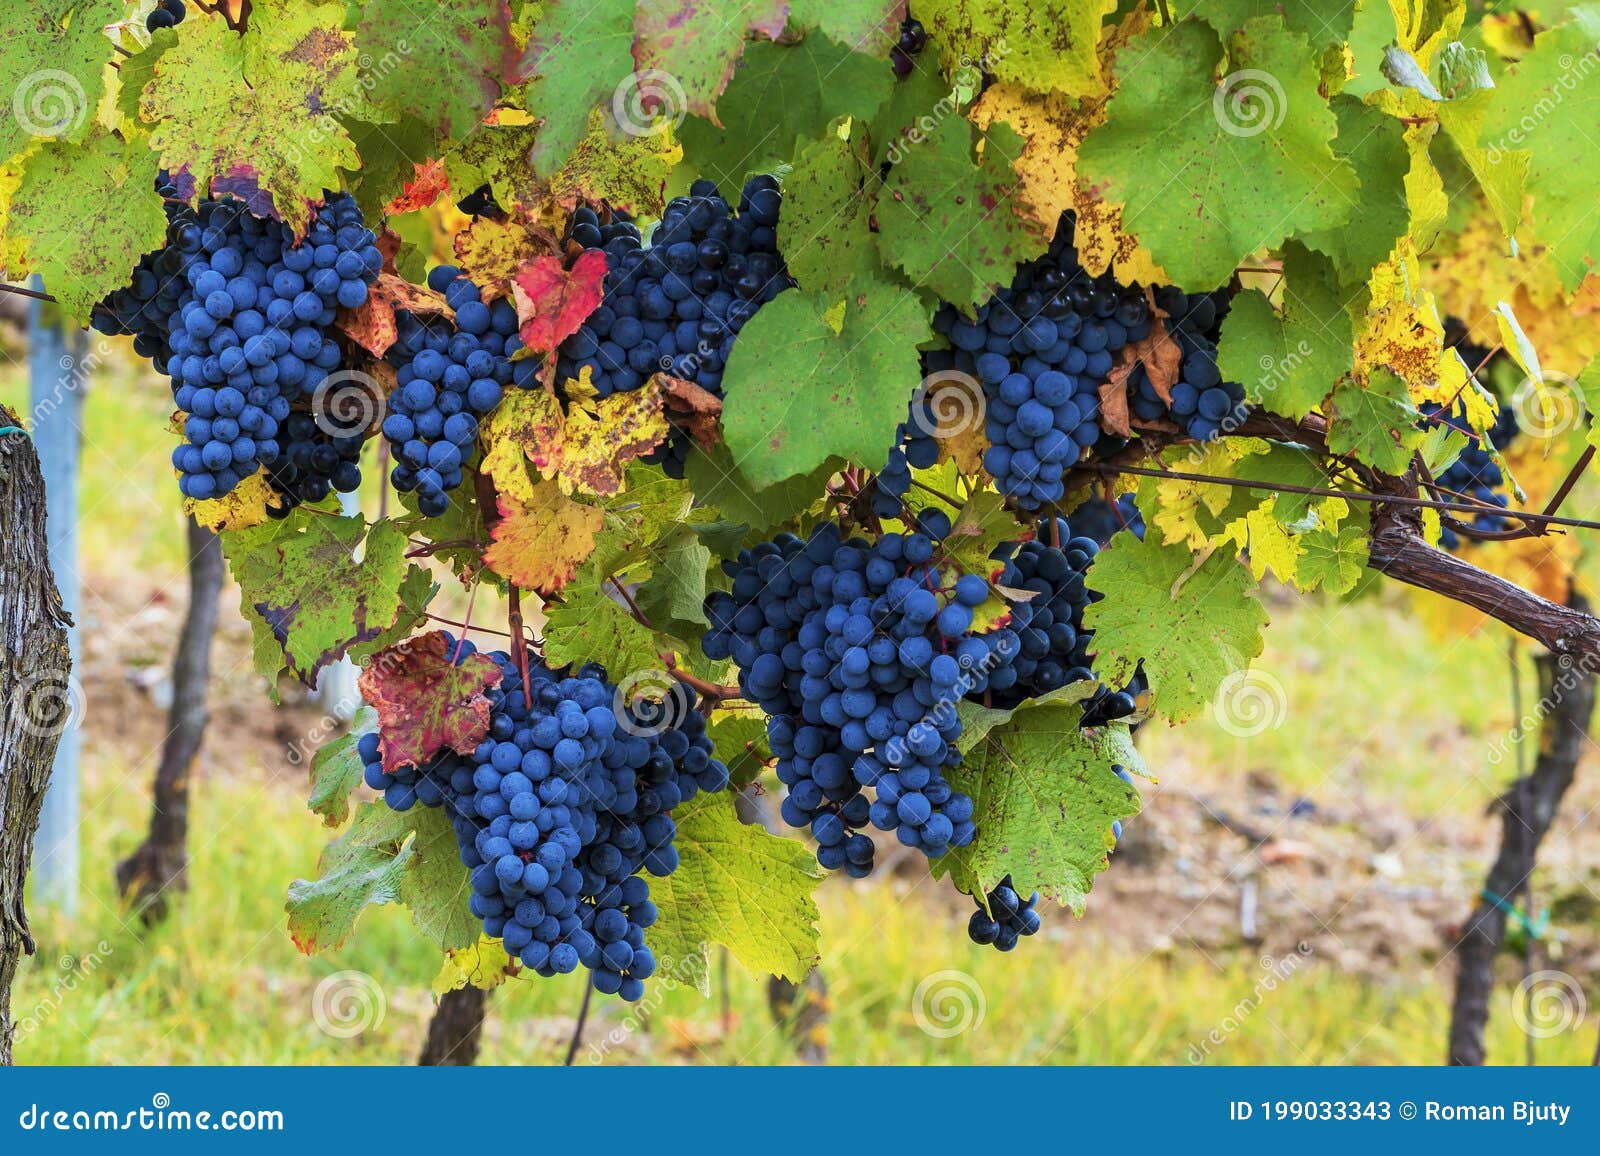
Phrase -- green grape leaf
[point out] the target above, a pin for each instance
(443, 69)
(1045, 45)
(897, 127)
(718, 481)
(1322, 22)
(948, 221)
(782, 92)
(870, 26)
(363, 867)
(1251, 155)
(698, 45)
(1501, 174)
(336, 770)
(740, 741)
(1192, 621)
(591, 626)
(429, 697)
(813, 378)
(1044, 797)
(978, 720)
(737, 886)
(252, 114)
(1375, 423)
(388, 155)
(436, 886)
(1285, 465)
(1289, 362)
(580, 52)
(1545, 108)
(1374, 143)
(1332, 559)
(672, 598)
(53, 55)
(1587, 386)
(975, 530)
(116, 218)
(825, 232)
(298, 577)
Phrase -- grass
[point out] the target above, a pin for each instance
(1369, 705)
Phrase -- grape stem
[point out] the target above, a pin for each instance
(583, 1018)
(709, 690)
(519, 640)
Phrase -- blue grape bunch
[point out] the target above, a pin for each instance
(849, 646)
(450, 376)
(676, 305)
(1202, 403)
(1101, 520)
(557, 812)
(166, 14)
(239, 315)
(1475, 474)
(1003, 917)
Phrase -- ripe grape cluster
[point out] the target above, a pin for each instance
(676, 305)
(913, 39)
(166, 14)
(1202, 403)
(311, 463)
(848, 646)
(1004, 917)
(557, 811)
(1474, 475)
(239, 316)
(450, 376)
(1042, 348)
(1101, 520)
(1045, 646)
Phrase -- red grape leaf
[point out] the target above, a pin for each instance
(693, 409)
(552, 301)
(373, 325)
(425, 702)
(427, 187)
(539, 543)
(490, 251)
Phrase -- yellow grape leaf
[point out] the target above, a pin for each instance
(1180, 505)
(601, 437)
(1424, 187)
(485, 965)
(626, 171)
(1053, 127)
(1422, 27)
(539, 544)
(240, 508)
(492, 251)
(526, 417)
(1271, 546)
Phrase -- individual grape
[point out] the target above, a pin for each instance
(166, 14)
(913, 38)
